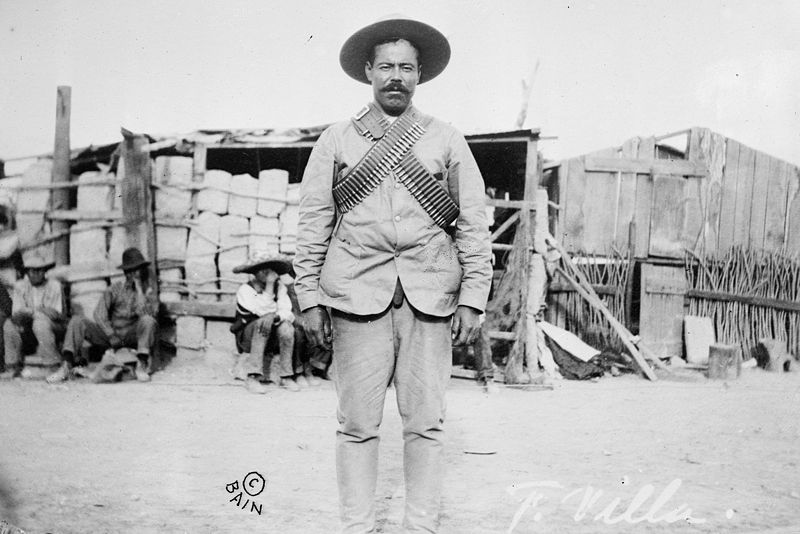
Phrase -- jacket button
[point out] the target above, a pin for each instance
(397, 218)
(397, 185)
(396, 253)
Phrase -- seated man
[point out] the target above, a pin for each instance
(264, 316)
(37, 318)
(125, 317)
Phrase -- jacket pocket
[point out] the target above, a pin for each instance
(441, 260)
(339, 267)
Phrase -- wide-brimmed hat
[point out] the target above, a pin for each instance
(132, 259)
(280, 263)
(38, 259)
(434, 50)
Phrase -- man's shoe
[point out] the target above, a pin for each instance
(312, 380)
(61, 374)
(289, 383)
(254, 385)
(301, 381)
(141, 372)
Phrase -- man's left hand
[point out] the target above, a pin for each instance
(466, 324)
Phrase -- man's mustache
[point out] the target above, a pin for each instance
(395, 87)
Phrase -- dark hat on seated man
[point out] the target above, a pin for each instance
(132, 259)
(432, 45)
(280, 263)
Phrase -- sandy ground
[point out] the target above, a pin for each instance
(157, 457)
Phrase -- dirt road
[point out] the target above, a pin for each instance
(157, 457)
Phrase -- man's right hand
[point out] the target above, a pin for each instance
(318, 326)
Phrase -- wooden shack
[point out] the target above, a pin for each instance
(656, 207)
(199, 204)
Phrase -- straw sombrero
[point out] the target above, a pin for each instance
(280, 263)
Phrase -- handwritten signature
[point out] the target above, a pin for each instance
(590, 497)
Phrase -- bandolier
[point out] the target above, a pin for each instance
(391, 151)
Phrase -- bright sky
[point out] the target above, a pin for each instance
(608, 70)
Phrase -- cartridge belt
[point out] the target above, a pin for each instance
(392, 152)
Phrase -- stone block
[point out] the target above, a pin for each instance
(215, 197)
(201, 252)
(171, 242)
(218, 335)
(272, 184)
(94, 197)
(190, 331)
(84, 296)
(39, 173)
(233, 237)
(244, 192)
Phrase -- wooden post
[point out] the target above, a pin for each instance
(137, 199)
(527, 225)
(59, 197)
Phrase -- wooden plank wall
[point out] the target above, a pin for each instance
(747, 199)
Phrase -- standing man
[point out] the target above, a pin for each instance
(392, 265)
(124, 317)
(36, 316)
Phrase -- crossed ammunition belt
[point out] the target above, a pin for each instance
(392, 152)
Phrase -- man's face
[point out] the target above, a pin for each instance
(394, 75)
(36, 276)
(266, 276)
(134, 274)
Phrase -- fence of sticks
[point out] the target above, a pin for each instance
(609, 275)
(749, 295)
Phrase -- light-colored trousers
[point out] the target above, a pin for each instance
(413, 351)
(44, 332)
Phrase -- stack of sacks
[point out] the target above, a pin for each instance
(95, 197)
(272, 185)
(84, 296)
(264, 235)
(218, 336)
(117, 200)
(117, 243)
(30, 226)
(215, 195)
(201, 269)
(233, 237)
(289, 219)
(173, 176)
(190, 332)
(170, 284)
(171, 242)
(243, 201)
